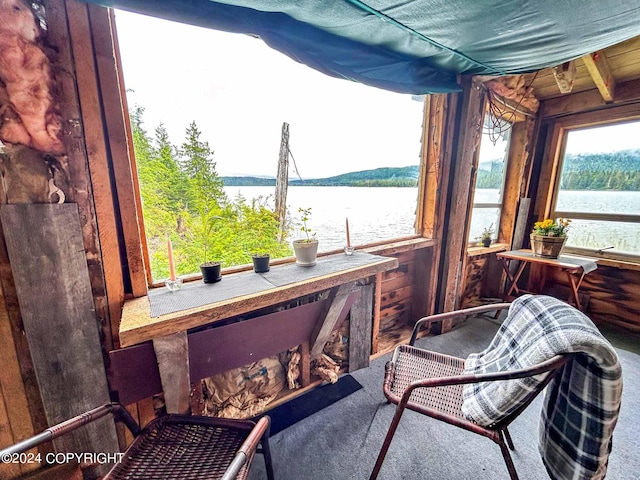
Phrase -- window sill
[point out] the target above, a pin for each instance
(493, 248)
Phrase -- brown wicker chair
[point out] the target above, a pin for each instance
(431, 383)
(174, 446)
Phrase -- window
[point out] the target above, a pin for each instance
(599, 189)
(487, 197)
(210, 105)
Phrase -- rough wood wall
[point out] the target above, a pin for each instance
(614, 295)
(26, 178)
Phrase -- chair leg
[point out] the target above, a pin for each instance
(266, 454)
(387, 442)
(507, 437)
(507, 459)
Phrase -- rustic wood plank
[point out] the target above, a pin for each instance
(138, 326)
(397, 283)
(172, 353)
(15, 421)
(93, 133)
(590, 100)
(360, 325)
(7, 470)
(111, 87)
(457, 230)
(392, 297)
(329, 321)
(50, 271)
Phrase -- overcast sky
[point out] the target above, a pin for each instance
(239, 92)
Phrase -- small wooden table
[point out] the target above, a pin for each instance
(574, 267)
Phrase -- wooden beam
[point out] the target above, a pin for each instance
(600, 72)
(96, 151)
(338, 299)
(119, 152)
(360, 329)
(591, 100)
(455, 244)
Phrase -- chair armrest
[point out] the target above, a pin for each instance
(73, 424)
(546, 366)
(431, 319)
(248, 447)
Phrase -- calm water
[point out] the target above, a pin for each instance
(389, 212)
(374, 213)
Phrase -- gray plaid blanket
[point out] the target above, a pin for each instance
(581, 404)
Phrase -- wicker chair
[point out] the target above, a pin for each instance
(174, 446)
(431, 383)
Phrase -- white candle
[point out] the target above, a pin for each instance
(172, 267)
(348, 237)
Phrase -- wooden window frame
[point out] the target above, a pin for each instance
(553, 166)
(119, 127)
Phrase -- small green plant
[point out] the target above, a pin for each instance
(487, 233)
(549, 228)
(305, 215)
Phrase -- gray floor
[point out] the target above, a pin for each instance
(342, 441)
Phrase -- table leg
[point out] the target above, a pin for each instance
(574, 289)
(513, 278)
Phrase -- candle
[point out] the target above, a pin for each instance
(172, 267)
(348, 237)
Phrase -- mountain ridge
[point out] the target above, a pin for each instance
(378, 177)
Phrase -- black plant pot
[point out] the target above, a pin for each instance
(211, 272)
(260, 263)
(486, 242)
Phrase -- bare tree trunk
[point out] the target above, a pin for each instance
(282, 180)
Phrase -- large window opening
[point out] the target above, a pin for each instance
(489, 187)
(207, 106)
(599, 189)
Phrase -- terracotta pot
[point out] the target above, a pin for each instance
(547, 247)
(260, 263)
(305, 252)
(211, 272)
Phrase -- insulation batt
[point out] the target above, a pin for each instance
(27, 110)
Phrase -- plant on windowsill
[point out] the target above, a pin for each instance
(306, 249)
(548, 237)
(486, 236)
(211, 270)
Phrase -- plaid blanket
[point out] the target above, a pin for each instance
(581, 404)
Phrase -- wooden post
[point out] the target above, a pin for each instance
(282, 181)
(360, 324)
(172, 352)
(455, 242)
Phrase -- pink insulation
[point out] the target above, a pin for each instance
(27, 109)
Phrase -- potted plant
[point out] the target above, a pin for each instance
(305, 249)
(548, 237)
(211, 272)
(260, 262)
(487, 236)
(210, 269)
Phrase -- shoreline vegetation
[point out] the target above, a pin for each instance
(597, 171)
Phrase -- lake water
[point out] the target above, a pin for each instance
(374, 213)
(389, 212)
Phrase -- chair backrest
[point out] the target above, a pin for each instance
(551, 368)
